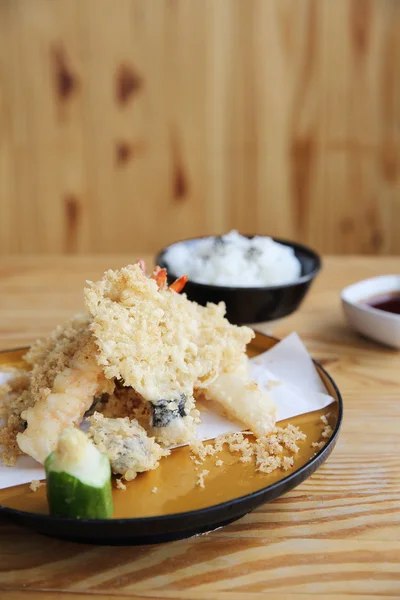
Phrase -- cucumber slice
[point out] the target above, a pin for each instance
(78, 479)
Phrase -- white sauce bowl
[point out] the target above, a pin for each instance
(376, 324)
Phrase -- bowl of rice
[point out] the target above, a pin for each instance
(258, 277)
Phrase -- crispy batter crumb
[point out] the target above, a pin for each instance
(15, 397)
(327, 432)
(287, 462)
(120, 484)
(265, 453)
(219, 443)
(4, 391)
(200, 450)
(318, 445)
(154, 490)
(268, 464)
(35, 485)
(200, 478)
(219, 463)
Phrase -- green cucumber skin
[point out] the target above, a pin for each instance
(67, 496)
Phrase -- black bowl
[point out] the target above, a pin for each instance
(255, 304)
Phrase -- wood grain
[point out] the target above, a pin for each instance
(129, 127)
(31, 594)
(335, 536)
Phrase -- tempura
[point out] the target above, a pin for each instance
(134, 365)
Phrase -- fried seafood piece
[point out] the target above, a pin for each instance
(245, 400)
(127, 445)
(46, 358)
(161, 344)
(173, 422)
(124, 402)
(64, 381)
(15, 397)
(162, 419)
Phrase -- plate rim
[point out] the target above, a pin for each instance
(314, 460)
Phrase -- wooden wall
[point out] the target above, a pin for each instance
(127, 124)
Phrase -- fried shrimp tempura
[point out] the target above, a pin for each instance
(126, 443)
(70, 396)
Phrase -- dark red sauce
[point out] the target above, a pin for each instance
(389, 302)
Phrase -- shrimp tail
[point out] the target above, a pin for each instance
(160, 277)
(142, 265)
(178, 284)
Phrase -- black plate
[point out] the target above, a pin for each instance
(151, 530)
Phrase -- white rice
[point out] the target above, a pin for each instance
(235, 261)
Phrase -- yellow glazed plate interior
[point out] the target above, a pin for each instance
(173, 488)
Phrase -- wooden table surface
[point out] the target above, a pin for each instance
(335, 536)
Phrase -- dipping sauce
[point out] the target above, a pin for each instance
(389, 302)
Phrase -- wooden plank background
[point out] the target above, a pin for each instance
(129, 124)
